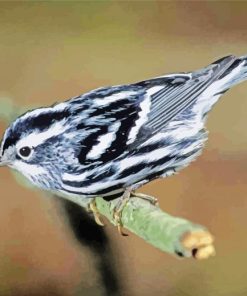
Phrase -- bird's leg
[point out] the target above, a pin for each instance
(93, 208)
(117, 211)
(153, 200)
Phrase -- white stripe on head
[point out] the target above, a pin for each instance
(44, 110)
(36, 137)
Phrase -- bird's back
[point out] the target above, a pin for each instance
(123, 136)
(150, 129)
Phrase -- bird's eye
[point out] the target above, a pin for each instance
(25, 151)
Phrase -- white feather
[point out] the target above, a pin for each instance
(210, 96)
(113, 98)
(36, 138)
(105, 142)
(147, 157)
(142, 118)
(28, 169)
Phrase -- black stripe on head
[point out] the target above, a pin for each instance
(44, 120)
(10, 140)
(26, 124)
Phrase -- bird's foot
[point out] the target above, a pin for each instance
(153, 200)
(117, 218)
(199, 243)
(117, 211)
(93, 208)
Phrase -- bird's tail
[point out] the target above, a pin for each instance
(233, 75)
(243, 69)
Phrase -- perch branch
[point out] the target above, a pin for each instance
(171, 234)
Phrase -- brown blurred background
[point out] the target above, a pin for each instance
(50, 51)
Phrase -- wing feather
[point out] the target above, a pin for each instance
(167, 105)
(141, 109)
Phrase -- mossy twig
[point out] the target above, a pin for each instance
(168, 233)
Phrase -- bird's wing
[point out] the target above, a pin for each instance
(122, 117)
(181, 92)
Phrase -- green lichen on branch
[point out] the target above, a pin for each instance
(168, 233)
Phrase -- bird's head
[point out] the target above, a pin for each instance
(34, 145)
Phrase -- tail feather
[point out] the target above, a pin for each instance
(244, 58)
(244, 67)
(233, 75)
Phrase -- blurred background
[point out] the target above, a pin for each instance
(50, 51)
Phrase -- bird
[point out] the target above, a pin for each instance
(112, 140)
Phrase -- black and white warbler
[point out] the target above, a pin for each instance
(114, 139)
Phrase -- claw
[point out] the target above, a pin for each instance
(117, 211)
(117, 218)
(94, 210)
(151, 199)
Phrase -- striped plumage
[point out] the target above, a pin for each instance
(113, 138)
